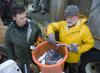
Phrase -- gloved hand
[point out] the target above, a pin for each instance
(72, 47)
(51, 39)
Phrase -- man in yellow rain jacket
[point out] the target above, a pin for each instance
(73, 32)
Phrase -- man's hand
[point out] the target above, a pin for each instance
(51, 39)
(73, 48)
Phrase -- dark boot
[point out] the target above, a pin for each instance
(35, 6)
(44, 12)
(44, 4)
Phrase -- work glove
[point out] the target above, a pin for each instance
(51, 39)
(72, 48)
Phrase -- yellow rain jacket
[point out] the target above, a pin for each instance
(79, 34)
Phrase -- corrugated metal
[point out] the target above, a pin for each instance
(75, 2)
(57, 8)
(94, 22)
(84, 6)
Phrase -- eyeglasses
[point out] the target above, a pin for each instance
(72, 17)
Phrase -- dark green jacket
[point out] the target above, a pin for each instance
(18, 47)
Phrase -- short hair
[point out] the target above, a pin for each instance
(17, 9)
(71, 10)
(1, 11)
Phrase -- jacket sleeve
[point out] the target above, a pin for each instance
(53, 27)
(9, 45)
(87, 42)
(39, 34)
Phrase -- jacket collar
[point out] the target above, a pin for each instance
(78, 25)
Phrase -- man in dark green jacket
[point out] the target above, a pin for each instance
(21, 34)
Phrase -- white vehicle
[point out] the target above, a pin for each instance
(9, 66)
